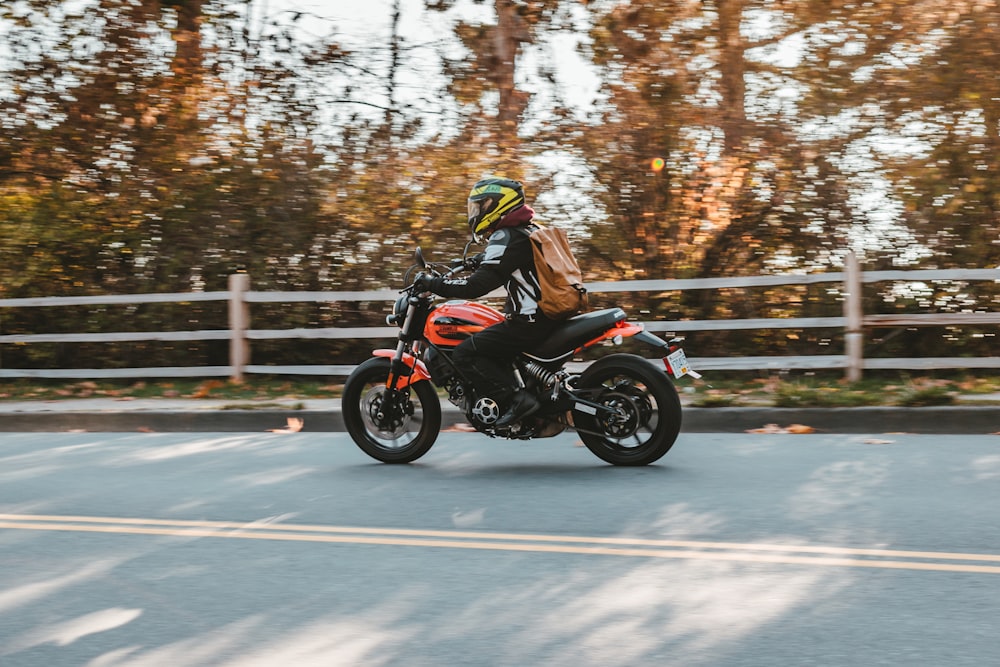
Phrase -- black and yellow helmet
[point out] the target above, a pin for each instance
(489, 201)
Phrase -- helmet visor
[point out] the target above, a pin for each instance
(474, 208)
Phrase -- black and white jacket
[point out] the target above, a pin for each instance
(508, 261)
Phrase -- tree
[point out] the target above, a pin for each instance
(945, 102)
(160, 145)
(140, 154)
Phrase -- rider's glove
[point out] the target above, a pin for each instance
(472, 263)
(422, 283)
(467, 263)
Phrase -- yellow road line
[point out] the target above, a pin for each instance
(624, 541)
(599, 546)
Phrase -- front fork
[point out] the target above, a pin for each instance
(398, 368)
(405, 368)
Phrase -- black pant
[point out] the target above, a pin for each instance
(485, 357)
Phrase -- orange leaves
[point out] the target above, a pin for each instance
(294, 425)
(796, 429)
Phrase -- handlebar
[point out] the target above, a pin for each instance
(465, 263)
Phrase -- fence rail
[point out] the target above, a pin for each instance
(239, 334)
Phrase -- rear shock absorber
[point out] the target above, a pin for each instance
(545, 378)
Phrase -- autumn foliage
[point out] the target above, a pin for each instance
(158, 146)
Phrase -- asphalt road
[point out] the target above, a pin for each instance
(295, 549)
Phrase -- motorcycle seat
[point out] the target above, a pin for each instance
(576, 331)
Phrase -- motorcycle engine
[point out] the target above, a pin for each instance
(482, 413)
(440, 368)
(485, 412)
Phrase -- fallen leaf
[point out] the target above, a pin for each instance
(145, 429)
(206, 388)
(461, 427)
(877, 441)
(766, 428)
(774, 428)
(294, 426)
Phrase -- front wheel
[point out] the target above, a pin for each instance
(644, 412)
(392, 427)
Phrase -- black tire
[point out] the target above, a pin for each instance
(648, 411)
(411, 435)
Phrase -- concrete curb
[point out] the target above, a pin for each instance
(952, 419)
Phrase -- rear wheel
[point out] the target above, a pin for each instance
(392, 427)
(645, 412)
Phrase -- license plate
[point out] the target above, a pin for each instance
(677, 363)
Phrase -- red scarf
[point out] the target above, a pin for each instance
(517, 217)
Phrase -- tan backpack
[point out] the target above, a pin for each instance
(559, 276)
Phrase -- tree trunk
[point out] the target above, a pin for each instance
(187, 60)
(731, 69)
(510, 34)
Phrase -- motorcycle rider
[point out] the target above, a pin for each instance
(498, 215)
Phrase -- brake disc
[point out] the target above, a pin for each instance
(388, 418)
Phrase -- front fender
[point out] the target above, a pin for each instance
(419, 373)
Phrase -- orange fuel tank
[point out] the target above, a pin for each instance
(454, 321)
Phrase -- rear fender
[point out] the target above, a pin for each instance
(674, 358)
(418, 373)
(623, 329)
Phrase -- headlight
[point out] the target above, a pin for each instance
(398, 311)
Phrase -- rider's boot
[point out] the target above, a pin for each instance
(522, 405)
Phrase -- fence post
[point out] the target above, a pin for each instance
(854, 334)
(239, 322)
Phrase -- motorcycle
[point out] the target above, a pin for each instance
(624, 408)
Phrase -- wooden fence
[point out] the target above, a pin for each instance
(240, 335)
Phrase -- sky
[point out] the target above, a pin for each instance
(360, 22)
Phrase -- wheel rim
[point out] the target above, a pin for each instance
(390, 427)
(634, 420)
